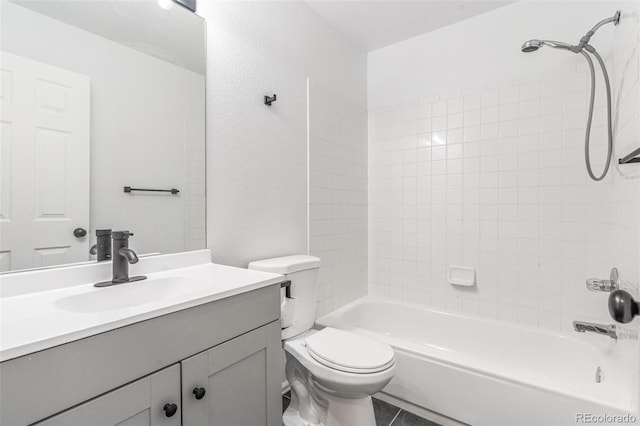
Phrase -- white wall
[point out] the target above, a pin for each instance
(137, 138)
(257, 196)
(476, 158)
(483, 50)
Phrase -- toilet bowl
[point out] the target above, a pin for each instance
(332, 373)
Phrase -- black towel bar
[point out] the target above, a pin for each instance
(130, 189)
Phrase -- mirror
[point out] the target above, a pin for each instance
(97, 96)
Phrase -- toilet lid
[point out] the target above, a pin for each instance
(350, 352)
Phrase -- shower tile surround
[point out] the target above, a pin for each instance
(491, 177)
(494, 178)
(337, 196)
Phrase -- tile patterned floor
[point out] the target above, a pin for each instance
(386, 414)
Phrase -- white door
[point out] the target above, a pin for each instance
(44, 164)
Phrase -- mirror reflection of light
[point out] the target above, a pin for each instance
(165, 4)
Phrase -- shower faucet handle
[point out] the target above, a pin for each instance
(613, 283)
(623, 307)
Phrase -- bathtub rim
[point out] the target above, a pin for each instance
(330, 319)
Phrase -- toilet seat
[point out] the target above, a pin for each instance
(349, 352)
(333, 379)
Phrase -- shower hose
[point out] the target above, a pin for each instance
(587, 155)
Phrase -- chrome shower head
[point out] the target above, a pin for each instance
(531, 46)
(586, 50)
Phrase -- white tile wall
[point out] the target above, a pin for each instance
(494, 178)
(624, 216)
(337, 197)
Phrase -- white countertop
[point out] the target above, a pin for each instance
(36, 320)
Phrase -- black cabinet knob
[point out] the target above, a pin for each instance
(79, 232)
(199, 392)
(170, 409)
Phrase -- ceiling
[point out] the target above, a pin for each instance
(374, 24)
(175, 35)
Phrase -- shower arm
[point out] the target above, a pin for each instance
(615, 19)
(584, 41)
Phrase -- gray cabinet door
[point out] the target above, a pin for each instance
(241, 378)
(139, 403)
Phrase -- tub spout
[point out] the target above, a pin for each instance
(606, 329)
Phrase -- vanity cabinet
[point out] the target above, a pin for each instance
(126, 376)
(233, 383)
(230, 384)
(153, 400)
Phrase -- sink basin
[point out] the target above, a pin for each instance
(132, 294)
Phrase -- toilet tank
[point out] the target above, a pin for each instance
(302, 271)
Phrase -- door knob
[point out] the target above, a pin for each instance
(199, 392)
(170, 409)
(622, 307)
(79, 232)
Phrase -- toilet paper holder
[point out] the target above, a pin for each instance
(287, 288)
(287, 307)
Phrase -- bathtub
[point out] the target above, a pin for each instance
(456, 368)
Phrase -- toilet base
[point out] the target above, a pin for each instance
(311, 405)
(340, 412)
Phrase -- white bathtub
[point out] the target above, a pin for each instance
(484, 372)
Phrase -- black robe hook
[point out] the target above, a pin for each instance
(268, 100)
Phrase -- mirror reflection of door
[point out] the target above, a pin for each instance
(146, 66)
(44, 160)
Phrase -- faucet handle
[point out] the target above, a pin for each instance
(597, 284)
(623, 307)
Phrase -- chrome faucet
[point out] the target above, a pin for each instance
(608, 329)
(122, 257)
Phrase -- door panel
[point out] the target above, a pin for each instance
(44, 127)
(246, 377)
(242, 382)
(137, 404)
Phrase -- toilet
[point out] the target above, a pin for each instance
(332, 373)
